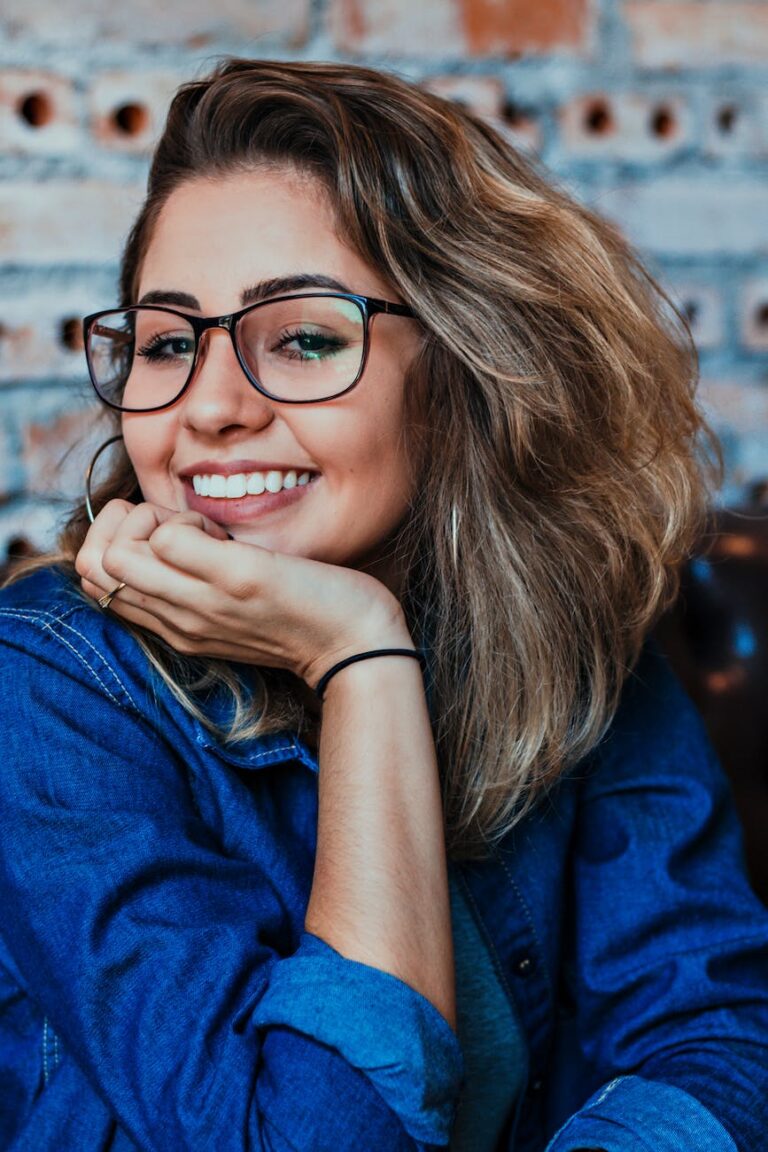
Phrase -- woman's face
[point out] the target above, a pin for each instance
(214, 241)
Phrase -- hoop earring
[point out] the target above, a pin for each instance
(455, 521)
(89, 474)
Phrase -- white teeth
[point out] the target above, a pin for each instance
(236, 485)
(250, 483)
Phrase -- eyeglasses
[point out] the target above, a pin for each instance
(298, 349)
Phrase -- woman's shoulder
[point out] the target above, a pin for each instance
(49, 589)
(656, 741)
(43, 598)
(46, 619)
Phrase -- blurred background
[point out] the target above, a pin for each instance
(653, 111)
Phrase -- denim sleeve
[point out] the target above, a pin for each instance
(670, 961)
(149, 949)
(635, 1115)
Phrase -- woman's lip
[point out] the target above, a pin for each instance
(235, 467)
(245, 509)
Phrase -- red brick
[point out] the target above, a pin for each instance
(128, 109)
(195, 23)
(624, 125)
(522, 130)
(38, 113)
(67, 222)
(33, 343)
(761, 117)
(754, 315)
(732, 127)
(58, 444)
(679, 216)
(699, 32)
(459, 27)
(35, 522)
(484, 96)
(6, 464)
(703, 307)
(738, 411)
(520, 26)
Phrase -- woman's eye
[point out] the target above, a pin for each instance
(167, 347)
(305, 345)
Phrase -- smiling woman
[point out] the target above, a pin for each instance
(211, 385)
(345, 803)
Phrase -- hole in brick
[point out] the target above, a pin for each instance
(598, 119)
(761, 316)
(131, 119)
(19, 547)
(663, 122)
(691, 311)
(71, 334)
(726, 119)
(512, 114)
(36, 109)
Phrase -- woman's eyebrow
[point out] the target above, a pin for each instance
(263, 290)
(182, 299)
(278, 286)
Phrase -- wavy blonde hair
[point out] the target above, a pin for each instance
(563, 467)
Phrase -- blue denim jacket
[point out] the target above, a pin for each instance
(158, 990)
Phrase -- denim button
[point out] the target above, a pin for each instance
(524, 966)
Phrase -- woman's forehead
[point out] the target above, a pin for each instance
(228, 232)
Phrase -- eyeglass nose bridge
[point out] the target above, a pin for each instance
(203, 325)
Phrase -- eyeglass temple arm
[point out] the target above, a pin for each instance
(387, 306)
(114, 334)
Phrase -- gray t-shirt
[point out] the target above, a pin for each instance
(489, 1033)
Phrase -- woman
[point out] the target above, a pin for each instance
(340, 808)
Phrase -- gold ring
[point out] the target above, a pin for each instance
(107, 598)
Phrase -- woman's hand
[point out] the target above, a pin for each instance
(208, 595)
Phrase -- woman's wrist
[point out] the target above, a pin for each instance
(384, 628)
(375, 654)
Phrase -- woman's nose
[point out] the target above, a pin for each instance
(220, 396)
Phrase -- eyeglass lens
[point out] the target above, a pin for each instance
(302, 348)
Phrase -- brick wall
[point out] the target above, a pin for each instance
(654, 111)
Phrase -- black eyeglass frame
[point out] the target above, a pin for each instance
(369, 307)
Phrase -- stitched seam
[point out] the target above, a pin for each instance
(45, 1051)
(41, 617)
(274, 751)
(40, 621)
(40, 612)
(98, 654)
(531, 925)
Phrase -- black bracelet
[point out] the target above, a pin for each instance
(322, 682)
